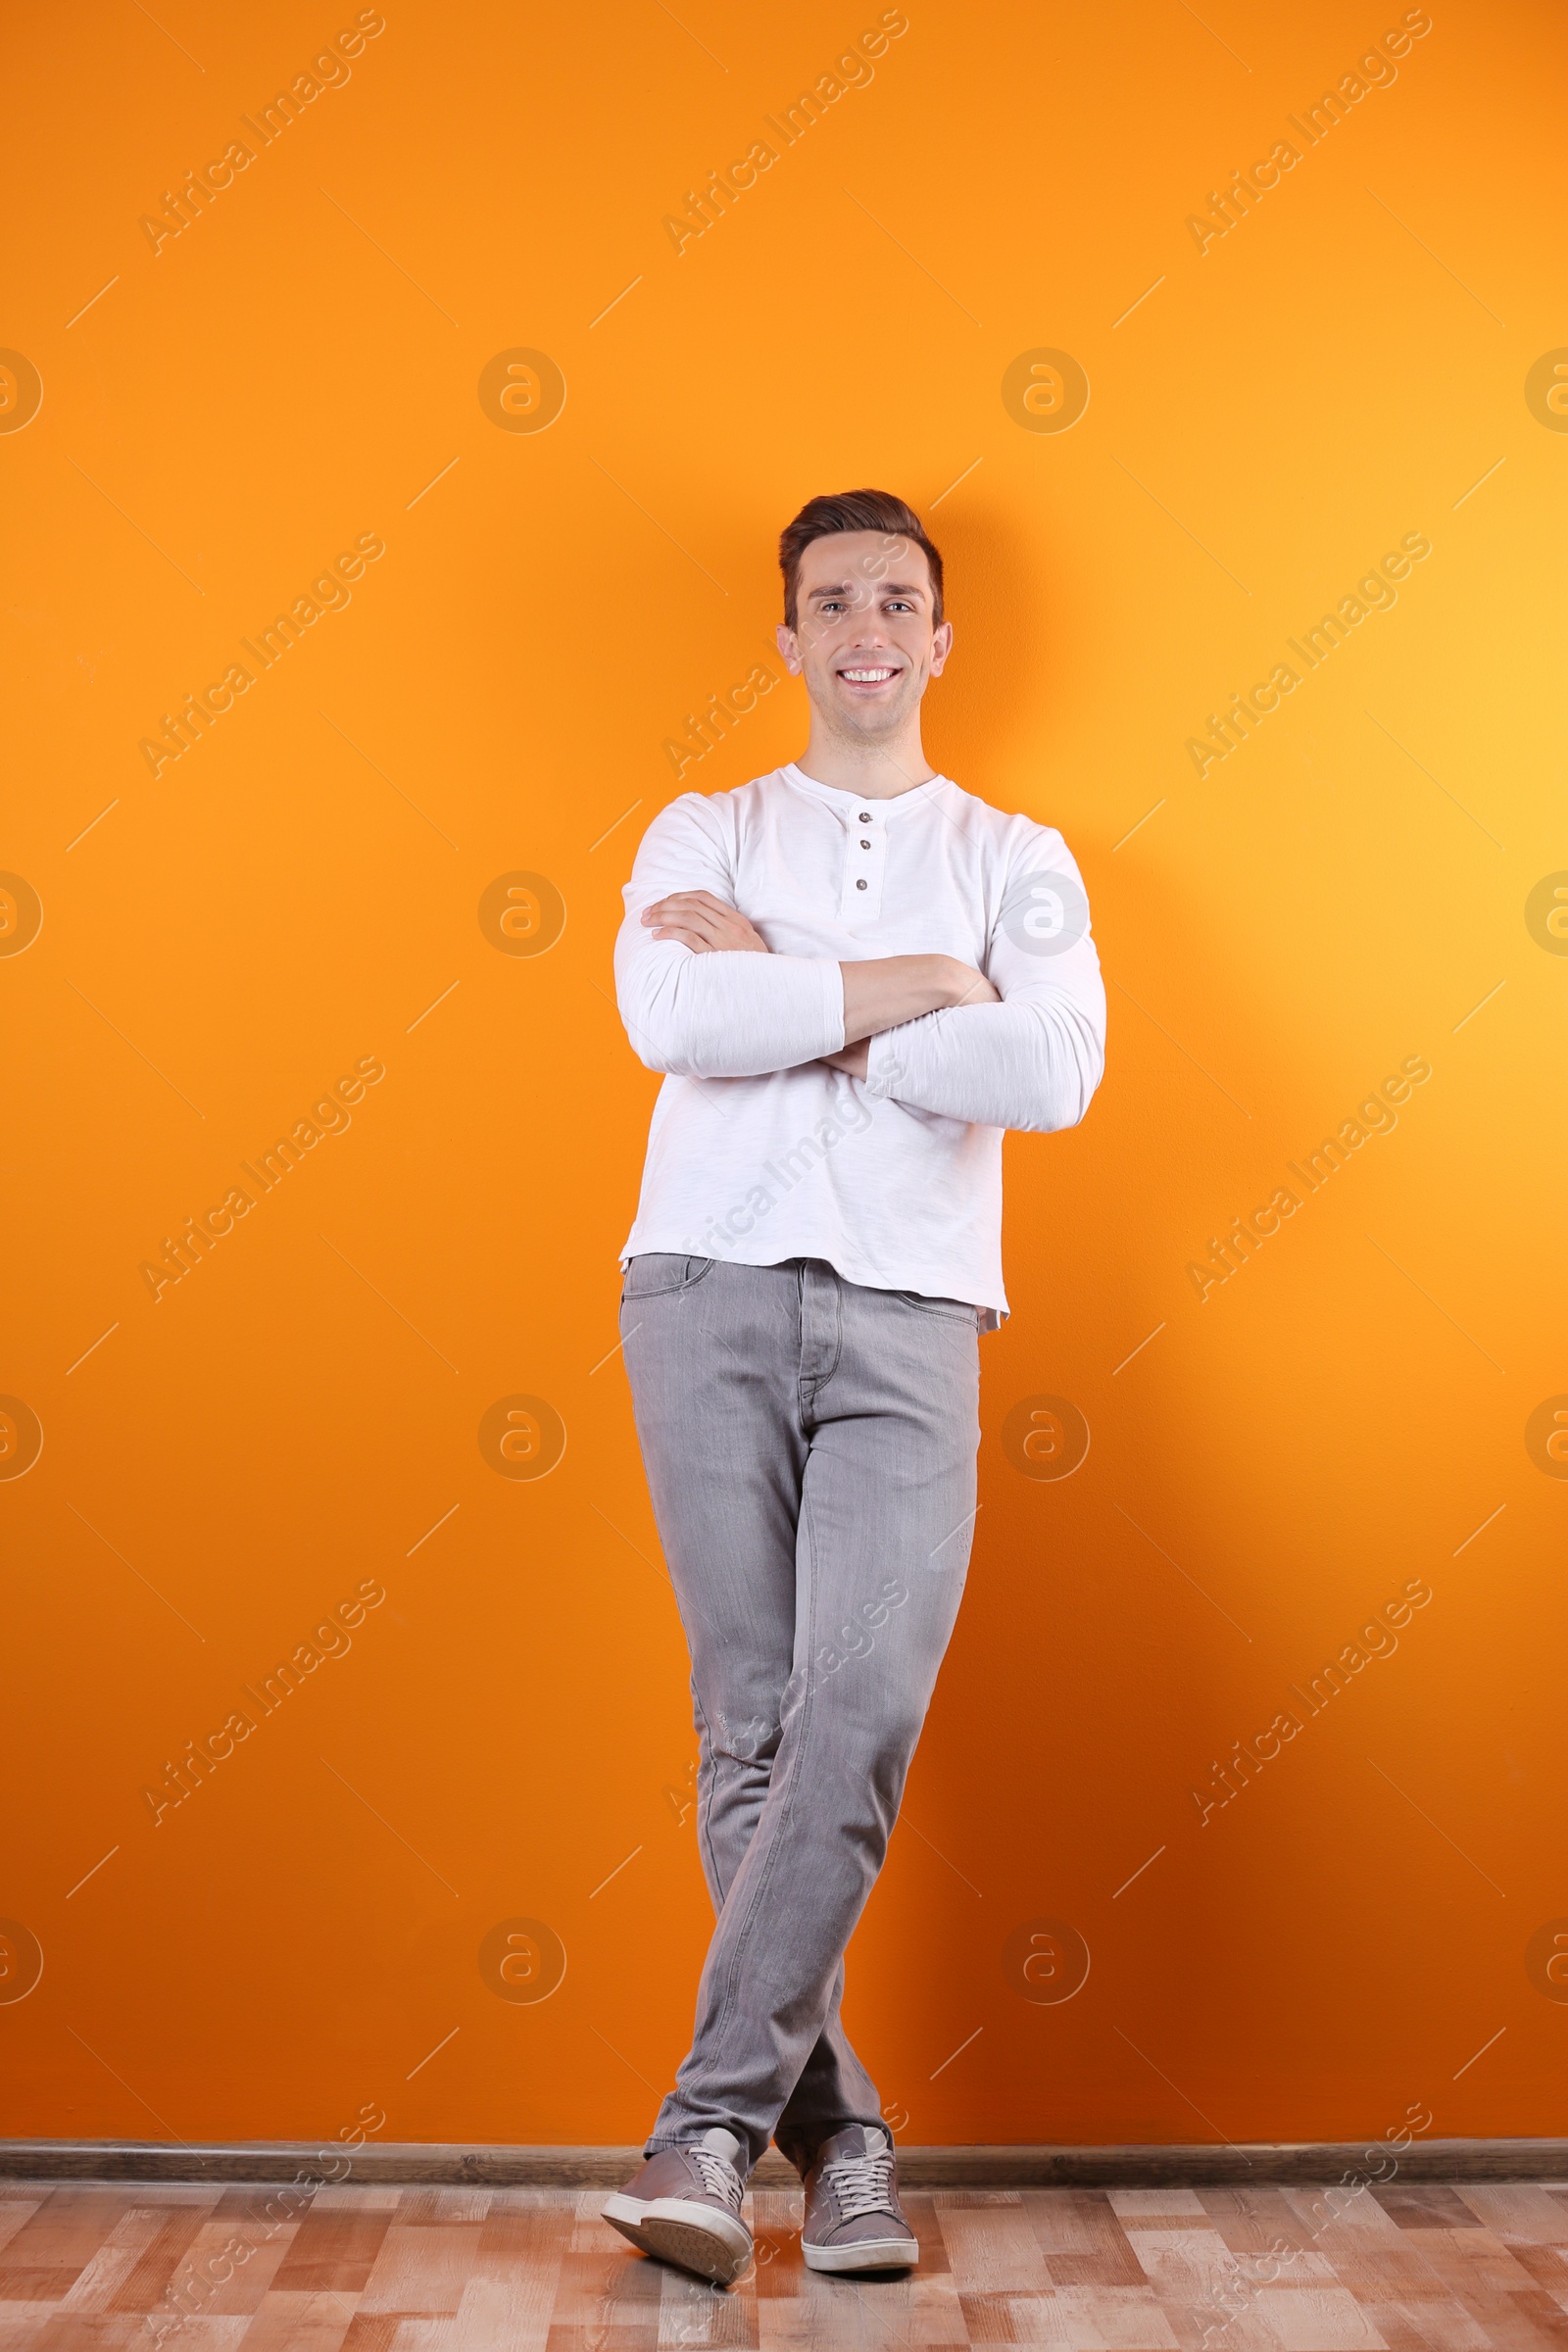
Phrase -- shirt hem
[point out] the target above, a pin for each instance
(923, 1284)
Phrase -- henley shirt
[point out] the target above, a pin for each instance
(758, 1151)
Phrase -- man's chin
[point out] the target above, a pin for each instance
(867, 723)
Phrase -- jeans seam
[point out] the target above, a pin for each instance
(818, 1380)
(705, 1812)
(941, 1314)
(837, 1337)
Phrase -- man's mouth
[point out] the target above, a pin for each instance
(871, 674)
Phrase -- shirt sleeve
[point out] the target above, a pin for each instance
(725, 1014)
(1034, 1061)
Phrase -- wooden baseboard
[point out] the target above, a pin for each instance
(1156, 2166)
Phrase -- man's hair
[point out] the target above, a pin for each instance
(853, 511)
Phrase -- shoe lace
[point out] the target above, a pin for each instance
(719, 2178)
(861, 2184)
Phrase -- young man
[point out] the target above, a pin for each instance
(854, 976)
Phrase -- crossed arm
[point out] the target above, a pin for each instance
(703, 997)
(880, 992)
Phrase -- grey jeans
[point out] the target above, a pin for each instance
(811, 1450)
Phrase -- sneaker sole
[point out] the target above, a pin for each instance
(864, 2254)
(695, 2238)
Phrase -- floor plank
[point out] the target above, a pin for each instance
(333, 2248)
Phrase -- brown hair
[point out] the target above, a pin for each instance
(853, 511)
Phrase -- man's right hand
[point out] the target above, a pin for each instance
(703, 923)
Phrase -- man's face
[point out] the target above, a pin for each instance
(864, 640)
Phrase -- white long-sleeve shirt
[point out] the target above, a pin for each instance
(757, 1151)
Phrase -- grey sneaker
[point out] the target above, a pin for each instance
(854, 2221)
(684, 2206)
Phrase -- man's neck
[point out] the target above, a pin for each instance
(878, 771)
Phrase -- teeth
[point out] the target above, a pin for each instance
(870, 677)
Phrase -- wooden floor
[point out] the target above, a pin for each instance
(1415, 2268)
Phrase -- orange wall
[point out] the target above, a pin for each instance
(300, 893)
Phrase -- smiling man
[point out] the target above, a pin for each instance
(854, 976)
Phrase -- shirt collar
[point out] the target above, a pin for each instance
(849, 802)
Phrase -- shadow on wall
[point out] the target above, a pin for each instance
(1075, 1581)
(990, 713)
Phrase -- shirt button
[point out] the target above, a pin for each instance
(865, 816)
(866, 845)
(860, 885)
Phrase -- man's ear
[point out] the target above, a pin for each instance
(941, 648)
(789, 648)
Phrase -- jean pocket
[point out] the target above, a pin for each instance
(662, 1273)
(945, 1310)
